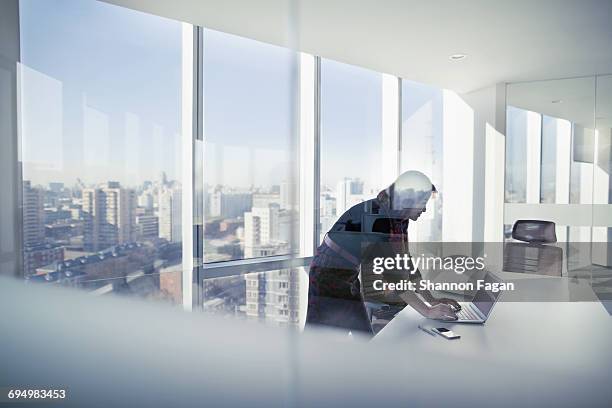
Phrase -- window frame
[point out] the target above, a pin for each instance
(308, 122)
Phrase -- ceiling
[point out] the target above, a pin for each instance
(505, 41)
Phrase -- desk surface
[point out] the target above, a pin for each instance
(552, 334)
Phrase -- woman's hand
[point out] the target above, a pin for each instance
(441, 311)
(446, 301)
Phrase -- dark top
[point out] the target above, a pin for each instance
(334, 295)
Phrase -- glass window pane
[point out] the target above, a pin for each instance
(549, 160)
(273, 297)
(581, 169)
(100, 120)
(422, 111)
(249, 171)
(516, 155)
(351, 138)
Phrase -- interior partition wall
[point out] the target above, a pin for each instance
(558, 167)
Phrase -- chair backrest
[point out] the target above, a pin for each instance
(534, 231)
(532, 255)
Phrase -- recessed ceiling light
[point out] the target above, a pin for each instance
(457, 57)
(557, 101)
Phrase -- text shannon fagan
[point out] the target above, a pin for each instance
(406, 285)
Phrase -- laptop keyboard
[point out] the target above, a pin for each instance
(466, 313)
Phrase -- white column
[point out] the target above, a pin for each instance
(494, 184)
(562, 172)
(534, 151)
(489, 106)
(458, 169)
(563, 160)
(187, 84)
(390, 128)
(308, 122)
(601, 255)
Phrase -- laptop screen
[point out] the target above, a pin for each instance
(484, 300)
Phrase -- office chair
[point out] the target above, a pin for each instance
(533, 255)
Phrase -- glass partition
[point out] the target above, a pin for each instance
(567, 149)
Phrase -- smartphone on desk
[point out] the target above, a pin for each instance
(444, 332)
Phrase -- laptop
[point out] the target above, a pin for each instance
(479, 309)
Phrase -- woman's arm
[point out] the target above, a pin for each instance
(428, 297)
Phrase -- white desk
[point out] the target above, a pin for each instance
(553, 334)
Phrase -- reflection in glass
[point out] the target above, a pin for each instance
(351, 138)
(602, 193)
(574, 165)
(249, 205)
(100, 127)
(549, 160)
(523, 133)
(272, 297)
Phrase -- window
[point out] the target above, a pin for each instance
(351, 139)
(555, 160)
(100, 119)
(581, 170)
(249, 173)
(549, 160)
(522, 155)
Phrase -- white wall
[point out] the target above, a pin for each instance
(390, 128)
(489, 111)
(458, 169)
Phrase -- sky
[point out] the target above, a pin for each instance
(100, 92)
(351, 124)
(101, 100)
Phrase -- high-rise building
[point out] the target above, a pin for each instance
(109, 213)
(288, 228)
(33, 215)
(229, 205)
(170, 214)
(146, 200)
(260, 228)
(163, 179)
(286, 195)
(328, 212)
(348, 193)
(147, 226)
(265, 200)
(273, 296)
